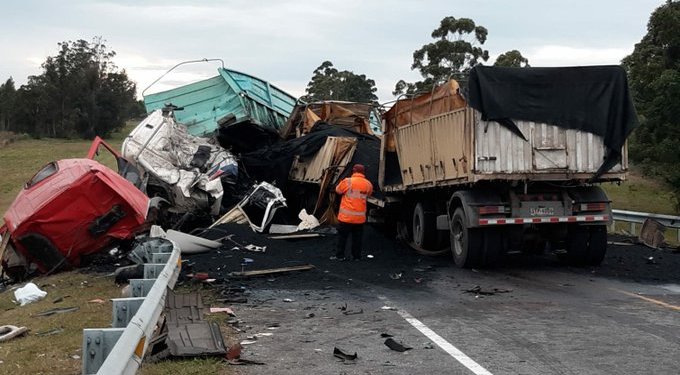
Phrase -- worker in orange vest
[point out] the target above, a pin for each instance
(352, 215)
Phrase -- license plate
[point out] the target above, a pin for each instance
(542, 211)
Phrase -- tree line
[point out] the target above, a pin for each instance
(80, 93)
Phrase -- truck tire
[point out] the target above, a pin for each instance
(424, 227)
(577, 245)
(597, 245)
(466, 243)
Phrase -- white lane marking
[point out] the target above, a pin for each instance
(675, 288)
(441, 342)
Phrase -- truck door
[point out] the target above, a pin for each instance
(549, 147)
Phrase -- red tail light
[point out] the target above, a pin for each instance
(491, 210)
(601, 206)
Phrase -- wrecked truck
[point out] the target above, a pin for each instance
(70, 209)
(511, 167)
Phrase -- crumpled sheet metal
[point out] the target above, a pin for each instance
(355, 116)
(189, 166)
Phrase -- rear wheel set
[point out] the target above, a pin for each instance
(586, 245)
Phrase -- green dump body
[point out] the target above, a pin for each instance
(231, 97)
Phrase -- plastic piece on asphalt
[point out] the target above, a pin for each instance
(308, 221)
(227, 310)
(344, 356)
(369, 256)
(385, 335)
(396, 346)
(190, 244)
(388, 308)
(28, 294)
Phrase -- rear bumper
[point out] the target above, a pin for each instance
(545, 220)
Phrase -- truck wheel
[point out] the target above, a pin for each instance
(466, 243)
(424, 227)
(597, 246)
(577, 245)
(492, 246)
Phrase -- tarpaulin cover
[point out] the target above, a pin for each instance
(442, 99)
(273, 163)
(67, 212)
(594, 99)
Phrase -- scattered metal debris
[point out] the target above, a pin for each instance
(57, 310)
(271, 271)
(50, 332)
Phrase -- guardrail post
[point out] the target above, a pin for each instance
(152, 270)
(124, 309)
(97, 344)
(160, 257)
(141, 287)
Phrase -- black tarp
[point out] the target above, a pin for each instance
(273, 163)
(594, 99)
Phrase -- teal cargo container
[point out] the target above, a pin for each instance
(229, 98)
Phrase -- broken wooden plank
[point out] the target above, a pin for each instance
(295, 236)
(271, 271)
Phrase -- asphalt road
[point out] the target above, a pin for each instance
(540, 318)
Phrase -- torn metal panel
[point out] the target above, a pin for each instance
(332, 158)
(260, 205)
(195, 339)
(188, 333)
(186, 170)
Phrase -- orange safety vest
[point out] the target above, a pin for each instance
(354, 191)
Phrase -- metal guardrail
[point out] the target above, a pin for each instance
(635, 218)
(120, 349)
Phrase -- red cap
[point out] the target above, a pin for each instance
(358, 168)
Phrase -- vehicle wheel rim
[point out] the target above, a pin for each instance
(417, 231)
(457, 238)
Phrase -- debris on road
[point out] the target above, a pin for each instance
(344, 356)
(479, 291)
(652, 234)
(227, 310)
(28, 293)
(385, 335)
(396, 346)
(257, 208)
(188, 334)
(9, 332)
(271, 271)
(388, 308)
(294, 236)
(190, 244)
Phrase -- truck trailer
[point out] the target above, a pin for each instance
(512, 165)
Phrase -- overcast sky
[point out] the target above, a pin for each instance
(284, 41)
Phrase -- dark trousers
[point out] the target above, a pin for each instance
(357, 232)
